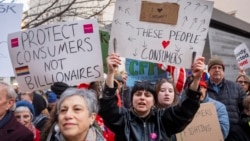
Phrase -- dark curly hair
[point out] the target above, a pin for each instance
(144, 85)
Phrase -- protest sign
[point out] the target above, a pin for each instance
(160, 42)
(104, 37)
(241, 53)
(205, 126)
(67, 52)
(142, 70)
(10, 15)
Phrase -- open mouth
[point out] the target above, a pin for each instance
(141, 103)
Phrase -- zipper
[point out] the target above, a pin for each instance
(145, 131)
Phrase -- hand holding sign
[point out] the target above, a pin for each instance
(197, 71)
(198, 67)
(113, 61)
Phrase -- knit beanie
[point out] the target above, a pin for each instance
(58, 88)
(203, 84)
(52, 97)
(27, 104)
(215, 61)
(39, 104)
(83, 86)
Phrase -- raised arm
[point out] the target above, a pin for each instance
(111, 113)
(176, 118)
(113, 61)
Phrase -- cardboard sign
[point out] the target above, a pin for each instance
(161, 43)
(10, 15)
(205, 126)
(159, 12)
(242, 53)
(141, 70)
(67, 52)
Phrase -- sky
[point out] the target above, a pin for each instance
(241, 7)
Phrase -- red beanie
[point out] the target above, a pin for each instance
(203, 84)
(83, 86)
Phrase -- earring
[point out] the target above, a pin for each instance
(56, 128)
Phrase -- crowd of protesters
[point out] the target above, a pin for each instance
(112, 111)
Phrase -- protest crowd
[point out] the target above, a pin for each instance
(98, 111)
(79, 102)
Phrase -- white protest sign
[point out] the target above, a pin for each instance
(241, 53)
(67, 52)
(10, 16)
(159, 42)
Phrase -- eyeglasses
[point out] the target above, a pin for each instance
(241, 82)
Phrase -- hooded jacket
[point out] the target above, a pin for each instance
(222, 115)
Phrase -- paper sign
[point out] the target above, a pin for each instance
(159, 12)
(10, 15)
(67, 52)
(104, 37)
(141, 70)
(241, 53)
(204, 127)
(161, 43)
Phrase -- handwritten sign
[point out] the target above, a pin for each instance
(10, 15)
(205, 126)
(142, 70)
(67, 52)
(159, 12)
(241, 53)
(161, 43)
(104, 37)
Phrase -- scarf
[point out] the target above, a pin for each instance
(92, 135)
(5, 119)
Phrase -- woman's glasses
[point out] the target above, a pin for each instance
(241, 82)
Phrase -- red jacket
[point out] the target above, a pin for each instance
(38, 136)
(15, 131)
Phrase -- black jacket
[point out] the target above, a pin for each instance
(127, 126)
(241, 132)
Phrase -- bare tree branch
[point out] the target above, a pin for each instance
(101, 9)
(56, 15)
(40, 14)
(44, 11)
